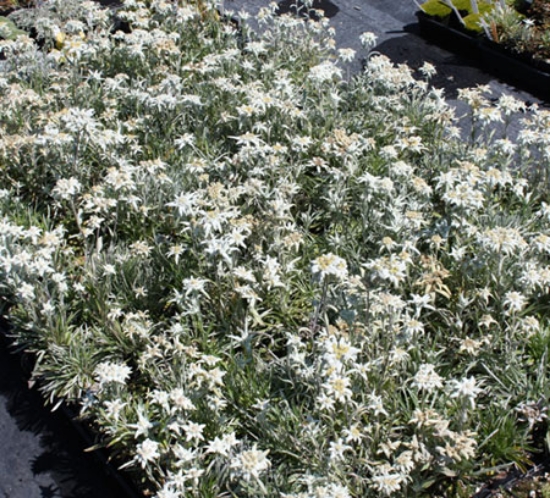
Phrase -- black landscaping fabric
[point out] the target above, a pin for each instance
(41, 452)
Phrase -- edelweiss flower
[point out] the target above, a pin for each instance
(324, 72)
(193, 431)
(532, 413)
(194, 286)
(147, 452)
(65, 188)
(508, 104)
(368, 40)
(502, 239)
(222, 446)
(114, 408)
(465, 388)
(337, 449)
(428, 70)
(180, 400)
(346, 54)
(388, 480)
(514, 302)
(376, 405)
(117, 373)
(26, 292)
(330, 264)
(427, 378)
(251, 463)
(338, 387)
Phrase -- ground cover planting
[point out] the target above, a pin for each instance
(258, 275)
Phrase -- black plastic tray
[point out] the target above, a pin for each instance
(490, 56)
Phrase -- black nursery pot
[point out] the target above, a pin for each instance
(523, 71)
(447, 34)
(526, 72)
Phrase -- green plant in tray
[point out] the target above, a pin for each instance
(469, 13)
(522, 26)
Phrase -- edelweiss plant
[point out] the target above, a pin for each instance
(257, 278)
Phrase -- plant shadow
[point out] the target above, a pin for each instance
(454, 71)
(57, 462)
